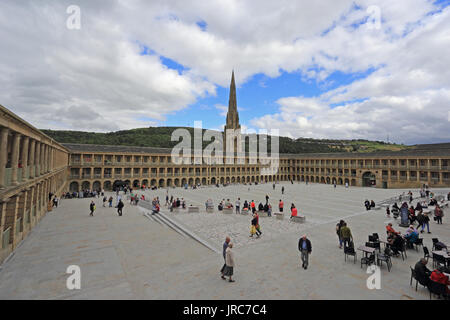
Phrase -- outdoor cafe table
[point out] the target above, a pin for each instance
(383, 241)
(367, 250)
(444, 254)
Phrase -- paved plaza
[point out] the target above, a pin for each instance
(134, 257)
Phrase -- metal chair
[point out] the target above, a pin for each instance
(350, 251)
(402, 250)
(368, 260)
(435, 240)
(437, 288)
(419, 242)
(413, 276)
(426, 253)
(386, 258)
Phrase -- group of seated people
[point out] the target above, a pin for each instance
(396, 240)
(177, 204)
(369, 205)
(425, 276)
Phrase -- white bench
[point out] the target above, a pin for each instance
(298, 219)
(245, 212)
(279, 215)
(263, 213)
(209, 209)
(193, 209)
(227, 210)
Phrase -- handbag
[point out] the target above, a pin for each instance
(252, 230)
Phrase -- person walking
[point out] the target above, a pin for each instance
(338, 232)
(438, 213)
(229, 261)
(110, 200)
(238, 205)
(425, 222)
(224, 251)
(258, 227)
(267, 198)
(92, 208)
(282, 190)
(346, 235)
(104, 201)
(120, 205)
(305, 248)
(280, 205)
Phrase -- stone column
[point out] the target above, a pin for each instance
(15, 158)
(3, 155)
(37, 160)
(41, 159)
(31, 158)
(25, 150)
(46, 158)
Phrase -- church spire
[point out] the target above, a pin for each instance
(232, 115)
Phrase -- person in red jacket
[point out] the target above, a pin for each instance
(439, 277)
(280, 205)
(293, 211)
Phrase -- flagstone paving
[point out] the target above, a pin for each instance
(133, 257)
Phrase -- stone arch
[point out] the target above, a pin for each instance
(74, 187)
(127, 182)
(238, 179)
(107, 185)
(221, 180)
(161, 183)
(169, 182)
(136, 184)
(213, 180)
(191, 181)
(97, 186)
(328, 180)
(183, 182)
(347, 181)
(197, 181)
(340, 181)
(353, 182)
(233, 180)
(204, 181)
(86, 185)
(177, 182)
(145, 182)
(322, 180)
(153, 182)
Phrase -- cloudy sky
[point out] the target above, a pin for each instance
(320, 69)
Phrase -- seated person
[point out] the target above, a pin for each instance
(260, 207)
(220, 206)
(294, 211)
(266, 208)
(422, 272)
(228, 204)
(390, 229)
(245, 205)
(418, 207)
(367, 204)
(372, 204)
(396, 243)
(411, 236)
(433, 202)
(439, 277)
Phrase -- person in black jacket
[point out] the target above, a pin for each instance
(120, 205)
(92, 208)
(304, 246)
(422, 272)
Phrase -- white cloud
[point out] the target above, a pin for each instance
(95, 78)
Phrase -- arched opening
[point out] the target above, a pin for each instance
(191, 181)
(118, 185)
(353, 182)
(136, 184)
(86, 185)
(204, 181)
(213, 180)
(128, 182)
(197, 181)
(153, 182)
(328, 180)
(97, 186)
(221, 180)
(74, 187)
(161, 183)
(340, 181)
(368, 179)
(183, 182)
(227, 180)
(107, 185)
(169, 182)
(322, 180)
(346, 181)
(145, 183)
(233, 180)
(177, 182)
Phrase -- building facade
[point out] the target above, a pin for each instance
(33, 166)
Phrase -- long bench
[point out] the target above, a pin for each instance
(227, 210)
(193, 209)
(298, 219)
(279, 215)
(209, 209)
(263, 213)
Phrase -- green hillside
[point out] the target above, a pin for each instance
(160, 137)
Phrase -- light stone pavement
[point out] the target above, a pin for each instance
(133, 257)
